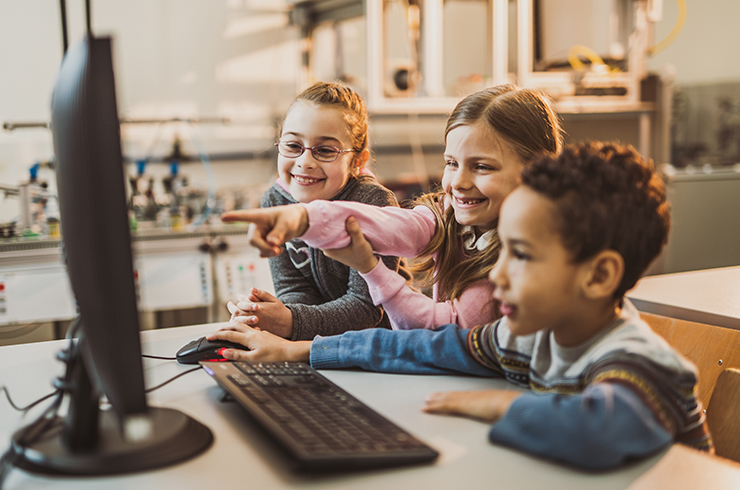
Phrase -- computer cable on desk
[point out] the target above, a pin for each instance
(27, 407)
(33, 431)
(30, 434)
(148, 356)
(159, 357)
(46, 397)
(149, 390)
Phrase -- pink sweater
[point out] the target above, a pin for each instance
(404, 233)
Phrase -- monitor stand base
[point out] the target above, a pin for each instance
(176, 437)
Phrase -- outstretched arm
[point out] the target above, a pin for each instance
(271, 227)
(440, 351)
(389, 230)
(321, 224)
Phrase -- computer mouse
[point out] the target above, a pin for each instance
(203, 349)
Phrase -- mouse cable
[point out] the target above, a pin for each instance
(28, 435)
(159, 357)
(27, 407)
(33, 404)
(70, 334)
(36, 429)
(149, 390)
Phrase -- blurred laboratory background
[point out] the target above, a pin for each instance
(202, 86)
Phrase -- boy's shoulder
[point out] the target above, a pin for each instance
(633, 342)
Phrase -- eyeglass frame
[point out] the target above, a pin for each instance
(312, 148)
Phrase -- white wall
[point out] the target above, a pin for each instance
(233, 58)
(706, 50)
(237, 59)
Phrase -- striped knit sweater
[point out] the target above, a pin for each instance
(628, 353)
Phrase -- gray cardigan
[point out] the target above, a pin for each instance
(325, 296)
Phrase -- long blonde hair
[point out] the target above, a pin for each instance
(525, 119)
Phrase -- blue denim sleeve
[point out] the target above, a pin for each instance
(605, 426)
(440, 351)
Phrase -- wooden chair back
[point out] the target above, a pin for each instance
(723, 414)
(711, 348)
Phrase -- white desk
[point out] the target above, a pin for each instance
(709, 296)
(241, 458)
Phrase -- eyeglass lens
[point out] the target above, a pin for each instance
(294, 150)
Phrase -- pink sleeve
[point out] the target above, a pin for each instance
(408, 309)
(390, 230)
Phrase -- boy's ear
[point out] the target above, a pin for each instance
(604, 274)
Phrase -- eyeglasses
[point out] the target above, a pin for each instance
(322, 153)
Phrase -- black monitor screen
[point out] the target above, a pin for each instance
(94, 221)
(106, 359)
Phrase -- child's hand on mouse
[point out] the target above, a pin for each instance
(263, 311)
(358, 254)
(263, 346)
(271, 227)
(487, 405)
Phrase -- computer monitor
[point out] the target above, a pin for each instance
(106, 359)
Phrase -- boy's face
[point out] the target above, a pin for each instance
(308, 124)
(536, 283)
(480, 171)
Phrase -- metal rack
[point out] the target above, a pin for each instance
(589, 91)
(428, 97)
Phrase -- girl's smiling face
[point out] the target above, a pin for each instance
(309, 124)
(481, 169)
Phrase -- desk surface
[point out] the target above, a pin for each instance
(242, 457)
(709, 296)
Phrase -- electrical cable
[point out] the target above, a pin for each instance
(27, 407)
(37, 428)
(30, 433)
(593, 57)
(677, 28)
(159, 357)
(149, 390)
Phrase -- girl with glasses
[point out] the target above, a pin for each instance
(490, 137)
(322, 154)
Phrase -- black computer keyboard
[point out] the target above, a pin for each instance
(318, 424)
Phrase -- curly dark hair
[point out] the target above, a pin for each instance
(607, 197)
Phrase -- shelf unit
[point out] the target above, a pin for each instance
(510, 24)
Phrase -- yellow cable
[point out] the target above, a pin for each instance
(589, 53)
(674, 32)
